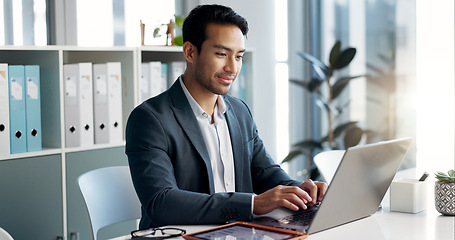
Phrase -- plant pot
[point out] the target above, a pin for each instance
(444, 198)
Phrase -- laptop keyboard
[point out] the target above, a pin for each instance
(302, 218)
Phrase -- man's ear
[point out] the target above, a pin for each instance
(189, 51)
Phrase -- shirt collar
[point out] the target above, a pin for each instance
(198, 111)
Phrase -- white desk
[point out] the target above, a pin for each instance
(384, 225)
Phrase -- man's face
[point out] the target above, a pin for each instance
(220, 59)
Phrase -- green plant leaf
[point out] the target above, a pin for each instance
(299, 83)
(311, 86)
(339, 130)
(320, 68)
(326, 106)
(441, 174)
(307, 144)
(313, 60)
(314, 84)
(321, 74)
(335, 53)
(345, 58)
(352, 137)
(291, 155)
(343, 127)
(179, 20)
(178, 41)
(341, 84)
(156, 32)
(443, 177)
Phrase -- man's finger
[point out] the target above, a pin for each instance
(313, 189)
(322, 188)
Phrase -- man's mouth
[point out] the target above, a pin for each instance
(226, 79)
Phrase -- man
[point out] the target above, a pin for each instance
(194, 152)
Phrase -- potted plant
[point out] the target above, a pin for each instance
(328, 86)
(444, 192)
(177, 22)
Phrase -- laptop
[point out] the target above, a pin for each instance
(356, 190)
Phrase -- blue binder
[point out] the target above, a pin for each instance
(18, 136)
(33, 107)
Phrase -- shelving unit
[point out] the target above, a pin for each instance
(39, 191)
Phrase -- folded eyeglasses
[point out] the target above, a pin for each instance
(158, 233)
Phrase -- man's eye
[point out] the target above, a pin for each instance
(221, 54)
(240, 57)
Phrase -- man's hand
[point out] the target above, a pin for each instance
(289, 197)
(281, 196)
(315, 189)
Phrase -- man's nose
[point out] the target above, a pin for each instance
(232, 65)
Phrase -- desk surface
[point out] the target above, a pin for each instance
(384, 225)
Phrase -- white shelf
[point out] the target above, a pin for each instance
(71, 162)
(162, 48)
(44, 152)
(93, 147)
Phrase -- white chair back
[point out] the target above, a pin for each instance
(109, 196)
(4, 235)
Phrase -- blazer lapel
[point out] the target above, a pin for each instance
(185, 116)
(237, 144)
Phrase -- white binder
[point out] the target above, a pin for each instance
(100, 106)
(4, 110)
(78, 104)
(175, 70)
(114, 89)
(155, 78)
(108, 106)
(152, 80)
(145, 81)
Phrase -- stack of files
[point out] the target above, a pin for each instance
(4, 110)
(153, 81)
(107, 102)
(175, 70)
(78, 104)
(24, 113)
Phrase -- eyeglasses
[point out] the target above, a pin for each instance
(165, 233)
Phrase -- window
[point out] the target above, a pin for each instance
(23, 22)
(384, 35)
(120, 21)
(282, 78)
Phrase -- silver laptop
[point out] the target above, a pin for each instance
(356, 191)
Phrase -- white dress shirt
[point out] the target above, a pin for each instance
(218, 141)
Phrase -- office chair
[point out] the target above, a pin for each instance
(109, 196)
(327, 163)
(4, 235)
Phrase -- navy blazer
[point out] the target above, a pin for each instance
(171, 169)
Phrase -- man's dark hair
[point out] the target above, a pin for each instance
(195, 24)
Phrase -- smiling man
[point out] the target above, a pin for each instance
(194, 152)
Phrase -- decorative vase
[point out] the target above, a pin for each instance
(444, 198)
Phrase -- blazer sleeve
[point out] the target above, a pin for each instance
(153, 174)
(265, 172)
